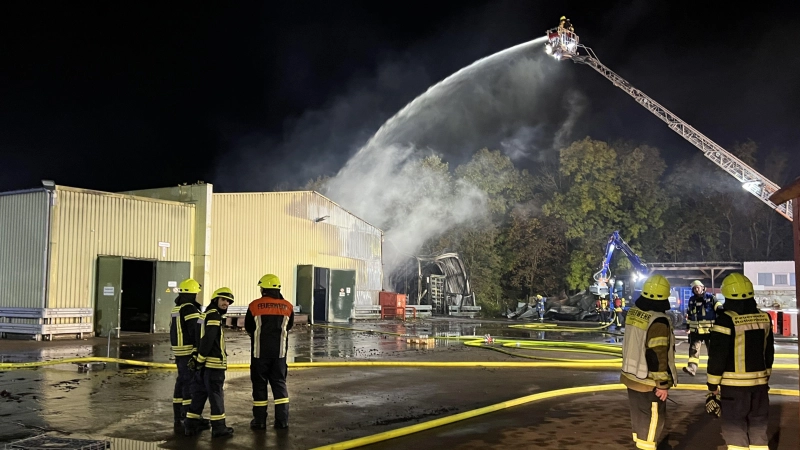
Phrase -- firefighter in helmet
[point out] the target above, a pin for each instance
(701, 311)
(740, 360)
(648, 361)
(268, 321)
(183, 338)
(209, 364)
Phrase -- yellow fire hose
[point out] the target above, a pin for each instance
(405, 431)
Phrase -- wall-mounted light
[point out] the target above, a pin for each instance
(751, 185)
(48, 183)
(320, 219)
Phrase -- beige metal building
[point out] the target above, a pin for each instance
(79, 261)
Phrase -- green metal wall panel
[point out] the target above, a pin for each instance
(23, 246)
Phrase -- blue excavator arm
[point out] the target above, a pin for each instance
(600, 286)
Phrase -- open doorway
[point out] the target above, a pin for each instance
(321, 285)
(136, 302)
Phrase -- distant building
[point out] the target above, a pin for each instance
(77, 261)
(774, 282)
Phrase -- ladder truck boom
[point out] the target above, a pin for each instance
(563, 44)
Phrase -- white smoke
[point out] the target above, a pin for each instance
(509, 100)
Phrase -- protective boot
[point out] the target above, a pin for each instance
(691, 369)
(219, 429)
(192, 427)
(204, 424)
(177, 414)
(259, 421)
(281, 416)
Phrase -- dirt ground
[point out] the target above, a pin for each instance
(132, 405)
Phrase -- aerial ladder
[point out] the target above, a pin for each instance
(600, 287)
(563, 44)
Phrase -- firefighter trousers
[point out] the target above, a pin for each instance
(745, 416)
(207, 385)
(695, 341)
(270, 371)
(182, 394)
(648, 415)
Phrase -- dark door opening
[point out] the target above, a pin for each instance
(136, 308)
(321, 284)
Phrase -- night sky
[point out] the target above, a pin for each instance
(113, 97)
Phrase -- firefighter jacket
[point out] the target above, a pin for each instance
(182, 327)
(648, 351)
(268, 321)
(701, 312)
(742, 348)
(211, 349)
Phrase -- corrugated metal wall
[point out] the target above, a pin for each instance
(86, 224)
(23, 241)
(257, 233)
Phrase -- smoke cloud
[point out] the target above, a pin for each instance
(509, 100)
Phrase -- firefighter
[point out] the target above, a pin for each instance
(540, 304)
(268, 321)
(648, 361)
(701, 311)
(182, 336)
(209, 364)
(740, 361)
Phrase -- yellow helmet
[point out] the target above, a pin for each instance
(189, 286)
(223, 292)
(737, 287)
(563, 18)
(696, 283)
(656, 288)
(270, 281)
(538, 297)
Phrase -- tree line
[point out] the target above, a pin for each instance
(544, 230)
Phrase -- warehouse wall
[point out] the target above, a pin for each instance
(23, 245)
(87, 223)
(274, 232)
(200, 195)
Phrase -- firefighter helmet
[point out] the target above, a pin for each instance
(223, 292)
(737, 287)
(696, 283)
(656, 288)
(189, 286)
(270, 281)
(563, 18)
(538, 297)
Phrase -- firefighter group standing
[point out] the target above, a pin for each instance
(740, 355)
(198, 343)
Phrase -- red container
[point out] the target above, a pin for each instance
(787, 323)
(774, 316)
(392, 299)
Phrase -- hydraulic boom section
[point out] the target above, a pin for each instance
(563, 43)
(600, 286)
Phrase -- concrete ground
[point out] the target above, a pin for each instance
(132, 406)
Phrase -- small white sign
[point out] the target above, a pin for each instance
(172, 284)
(348, 290)
(108, 291)
(341, 294)
(163, 244)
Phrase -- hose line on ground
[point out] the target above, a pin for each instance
(404, 431)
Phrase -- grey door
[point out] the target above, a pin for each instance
(168, 275)
(305, 291)
(342, 295)
(107, 295)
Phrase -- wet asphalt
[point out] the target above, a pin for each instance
(132, 406)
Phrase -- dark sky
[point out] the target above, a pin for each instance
(114, 97)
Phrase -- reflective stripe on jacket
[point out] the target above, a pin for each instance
(659, 371)
(742, 350)
(268, 321)
(182, 328)
(211, 350)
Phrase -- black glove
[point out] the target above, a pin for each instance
(194, 365)
(713, 406)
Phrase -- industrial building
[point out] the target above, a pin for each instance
(76, 261)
